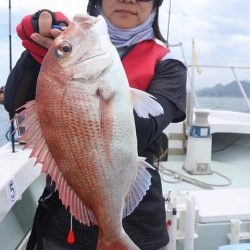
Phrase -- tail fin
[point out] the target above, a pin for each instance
(121, 243)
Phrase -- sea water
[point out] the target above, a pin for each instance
(226, 103)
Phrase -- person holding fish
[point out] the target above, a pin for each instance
(100, 192)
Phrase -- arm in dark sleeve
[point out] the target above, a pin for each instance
(21, 83)
(169, 88)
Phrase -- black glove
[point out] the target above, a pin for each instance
(29, 25)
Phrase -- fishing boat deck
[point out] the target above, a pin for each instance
(230, 157)
(16, 175)
(20, 186)
(222, 121)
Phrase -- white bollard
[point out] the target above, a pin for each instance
(235, 231)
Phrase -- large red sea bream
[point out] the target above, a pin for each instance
(81, 128)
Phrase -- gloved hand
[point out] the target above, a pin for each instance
(30, 25)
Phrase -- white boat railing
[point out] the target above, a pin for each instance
(192, 82)
(193, 102)
(232, 68)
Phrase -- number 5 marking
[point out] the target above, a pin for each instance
(11, 191)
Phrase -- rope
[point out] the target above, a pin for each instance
(181, 177)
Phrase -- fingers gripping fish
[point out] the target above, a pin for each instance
(81, 128)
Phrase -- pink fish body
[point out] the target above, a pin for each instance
(81, 128)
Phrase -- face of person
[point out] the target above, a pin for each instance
(126, 14)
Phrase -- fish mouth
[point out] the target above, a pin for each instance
(84, 59)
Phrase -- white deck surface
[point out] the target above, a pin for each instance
(222, 203)
(15, 169)
(222, 121)
(216, 207)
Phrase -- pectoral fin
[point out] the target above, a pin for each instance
(106, 91)
(140, 187)
(144, 104)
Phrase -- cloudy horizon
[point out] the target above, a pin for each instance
(220, 29)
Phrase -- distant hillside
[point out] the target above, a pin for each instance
(229, 90)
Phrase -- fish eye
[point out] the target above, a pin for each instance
(64, 50)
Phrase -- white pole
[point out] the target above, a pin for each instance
(189, 224)
(235, 231)
(192, 89)
(241, 88)
(172, 229)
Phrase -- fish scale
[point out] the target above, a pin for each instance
(86, 137)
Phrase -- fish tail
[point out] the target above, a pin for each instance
(121, 243)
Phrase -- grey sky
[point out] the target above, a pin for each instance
(220, 29)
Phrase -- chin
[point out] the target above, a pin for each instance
(124, 21)
(125, 25)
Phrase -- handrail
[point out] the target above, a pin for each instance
(218, 66)
(193, 96)
(192, 100)
(241, 88)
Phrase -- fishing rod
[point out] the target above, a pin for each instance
(169, 13)
(12, 114)
(10, 42)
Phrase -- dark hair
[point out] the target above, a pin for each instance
(157, 3)
(156, 27)
(91, 7)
